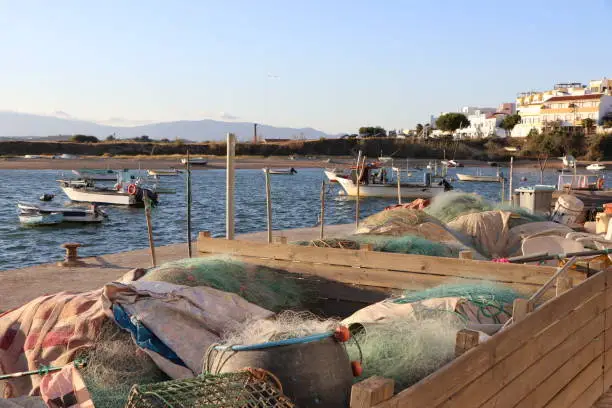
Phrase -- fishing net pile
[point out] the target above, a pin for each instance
(285, 325)
(409, 337)
(114, 365)
(450, 205)
(265, 287)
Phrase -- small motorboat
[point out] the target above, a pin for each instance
(492, 164)
(47, 197)
(283, 172)
(68, 214)
(596, 167)
(36, 218)
(164, 172)
(482, 179)
(197, 161)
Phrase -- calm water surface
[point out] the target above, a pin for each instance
(295, 204)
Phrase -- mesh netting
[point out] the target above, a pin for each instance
(406, 244)
(245, 389)
(396, 221)
(266, 287)
(330, 243)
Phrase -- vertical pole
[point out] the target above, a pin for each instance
(503, 184)
(147, 203)
(268, 204)
(322, 234)
(358, 176)
(188, 206)
(229, 187)
(399, 186)
(510, 181)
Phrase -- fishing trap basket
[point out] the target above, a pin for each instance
(251, 388)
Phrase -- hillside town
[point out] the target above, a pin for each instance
(574, 106)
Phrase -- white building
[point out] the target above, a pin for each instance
(482, 124)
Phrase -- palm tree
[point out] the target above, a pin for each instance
(574, 108)
(588, 124)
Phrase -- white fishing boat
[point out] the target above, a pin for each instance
(379, 182)
(95, 174)
(485, 179)
(36, 219)
(282, 172)
(128, 193)
(333, 174)
(164, 172)
(69, 214)
(196, 161)
(596, 167)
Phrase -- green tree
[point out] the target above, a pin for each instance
(111, 138)
(418, 128)
(84, 139)
(510, 122)
(588, 125)
(372, 131)
(143, 138)
(449, 122)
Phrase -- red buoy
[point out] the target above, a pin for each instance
(342, 334)
(357, 368)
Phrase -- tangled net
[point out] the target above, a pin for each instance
(407, 244)
(406, 350)
(266, 287)
(285, 325)
(330, 243)
(114, 365)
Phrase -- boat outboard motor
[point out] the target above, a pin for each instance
(47, 197)
(446, 184)
(293, 171)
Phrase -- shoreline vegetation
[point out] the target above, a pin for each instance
(308, 153)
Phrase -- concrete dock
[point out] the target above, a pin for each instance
(19, 286)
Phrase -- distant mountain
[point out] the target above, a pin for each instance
(23, 125)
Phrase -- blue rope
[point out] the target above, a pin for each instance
(286, 342)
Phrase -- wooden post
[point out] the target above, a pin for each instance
(466, 339)
(366, 247)
(466, 255)
(188, 206)
(502, 181)
(357, 180)
(229, 191)
(564, 283)
(371, 391)
(204, 234)
(268, 204)
(147, 203)
(520, 309)
(510, 180)
(322, 234)
(399, 187)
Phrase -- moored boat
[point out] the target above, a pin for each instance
(596, 167)
(36, 218)
(285, 172)
(164, 172)
(85, 191)
(69, 214)
(196, 161)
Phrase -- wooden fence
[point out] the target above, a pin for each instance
(559, 355)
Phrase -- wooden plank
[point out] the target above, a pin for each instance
(556, 380)
(466, 339)
(371, 391)
(439, 386)
(521, 372)
(380, 278)
(590, 395)
(502, 272)
(607, 378)
(578, 385)
(564, 283)
(520, 309)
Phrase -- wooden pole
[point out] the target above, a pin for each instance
(510, 181)
(399, 187)
(229, 187)
(147, 203)
(357, 180)
(503, 182)
(188, 206)
(322, 234)
(268, 204)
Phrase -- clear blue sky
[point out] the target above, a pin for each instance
(332, 65)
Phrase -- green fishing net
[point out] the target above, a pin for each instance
(485, 292)
(406, 244)
(269, 288)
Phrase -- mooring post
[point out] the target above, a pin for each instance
(229, 193)
(188, 206)
(147, 203)
(71, 258)
(268, 204)
(322, 234)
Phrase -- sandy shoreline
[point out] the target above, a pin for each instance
(245, 162)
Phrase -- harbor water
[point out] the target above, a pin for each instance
(295, 203)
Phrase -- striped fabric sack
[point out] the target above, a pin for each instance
(48, 331)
